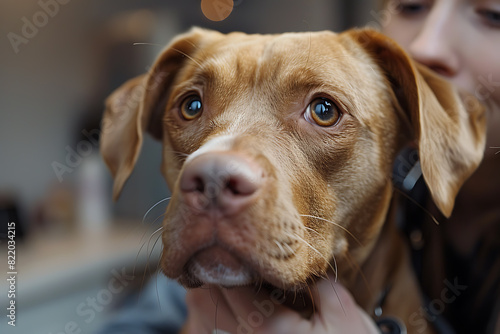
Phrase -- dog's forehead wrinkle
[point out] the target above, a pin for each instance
(254, 59)
(244, 69)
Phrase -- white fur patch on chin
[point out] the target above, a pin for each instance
(221, 275)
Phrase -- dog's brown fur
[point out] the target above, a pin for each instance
(324, 193)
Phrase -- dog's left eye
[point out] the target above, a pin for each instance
(191, 107)
(323, 112)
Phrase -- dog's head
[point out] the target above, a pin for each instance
(278, 149)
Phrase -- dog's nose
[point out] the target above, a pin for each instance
(220, 181)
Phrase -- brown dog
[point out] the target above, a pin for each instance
(278, 150)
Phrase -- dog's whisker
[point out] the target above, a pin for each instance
(147, 267)
(279, 246)
(289, 248)
(162, 215)
(156, 283)
(358, 268)
(338, 298)
(309, 51)
(216, 303)
(179, 153)
(152, 249)
(142, 223)
(144, 244)
(188, 56)
(312, 298)
(319, 253)
(313, 301)
(212, 297)
(151, 208)
(197, 48)
(336, 269)
(148, 259)
(159, 229)
(157, 273)
(215, 315)
(259, 283)
(150, 237)
(148, 211)
(335, 224)
(418, 204)
(313, 230)
(144, 43)
(157, 292)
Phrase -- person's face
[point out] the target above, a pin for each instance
(459, 39)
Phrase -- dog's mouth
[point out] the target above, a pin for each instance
(220, 266)
(217, 265)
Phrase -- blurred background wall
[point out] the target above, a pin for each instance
(53, 83)
(59, 59)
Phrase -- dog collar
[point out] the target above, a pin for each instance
(387, 324)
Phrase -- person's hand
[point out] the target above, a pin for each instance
(245, 311)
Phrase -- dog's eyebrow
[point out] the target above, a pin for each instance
(316, 84)
(202, 76)
(199, 77)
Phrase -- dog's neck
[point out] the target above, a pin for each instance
(386, 271)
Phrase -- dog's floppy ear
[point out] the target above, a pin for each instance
(449, 127)
(138, 105)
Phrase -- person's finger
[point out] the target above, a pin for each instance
(332, 296)
(250, 308)
(339, 311)
(262, 311)
(208, 311)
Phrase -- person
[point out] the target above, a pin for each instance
(460, 40)
(160, 308)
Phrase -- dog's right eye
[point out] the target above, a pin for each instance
(191, 107)
(322, 111)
